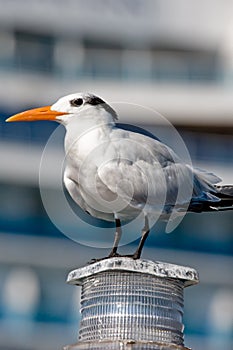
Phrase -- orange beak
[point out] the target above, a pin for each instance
(42, 113)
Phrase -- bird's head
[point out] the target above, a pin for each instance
(71, 107)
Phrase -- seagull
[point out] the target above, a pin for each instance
(115, 171)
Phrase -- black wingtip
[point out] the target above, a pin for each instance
(224, 193)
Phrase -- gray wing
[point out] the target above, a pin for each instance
(145, 170)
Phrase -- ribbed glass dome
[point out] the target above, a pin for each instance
(135, 306)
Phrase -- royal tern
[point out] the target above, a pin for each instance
(115, 172)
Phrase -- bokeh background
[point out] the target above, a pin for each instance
(173, 56)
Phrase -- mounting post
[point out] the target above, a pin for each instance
(131, 304)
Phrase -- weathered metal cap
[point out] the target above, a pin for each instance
(159, 269)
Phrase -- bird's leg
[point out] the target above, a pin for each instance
(145, 233)
(117, 238)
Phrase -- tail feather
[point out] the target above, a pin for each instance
(225, 195)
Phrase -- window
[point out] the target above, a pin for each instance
(102, 59)
(33, 51)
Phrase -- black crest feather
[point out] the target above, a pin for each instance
(95, 101)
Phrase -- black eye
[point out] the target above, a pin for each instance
(76, 102)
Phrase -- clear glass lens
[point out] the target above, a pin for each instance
(131, 306)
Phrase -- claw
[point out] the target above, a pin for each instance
(94, 260)
(114, 255)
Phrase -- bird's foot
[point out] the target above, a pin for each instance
(132, 256)
(114, 255)
(94, 260)
(111, 255)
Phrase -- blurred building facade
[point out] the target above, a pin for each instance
(174, 57)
